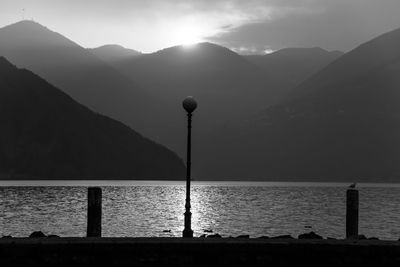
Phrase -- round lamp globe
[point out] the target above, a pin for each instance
(189, 104)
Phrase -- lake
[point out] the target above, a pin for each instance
(147, 208)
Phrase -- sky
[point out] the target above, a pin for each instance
(245, 26)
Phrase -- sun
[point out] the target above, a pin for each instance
(188, 35)
(189, 40)
(189, 43)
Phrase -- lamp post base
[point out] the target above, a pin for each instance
(188, 233)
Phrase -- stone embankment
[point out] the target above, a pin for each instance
(197, 252)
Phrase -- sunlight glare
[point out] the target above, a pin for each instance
(188, 35)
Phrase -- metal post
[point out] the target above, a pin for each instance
(189, 104)
(188, 232)
(94, 212)
(351, 212)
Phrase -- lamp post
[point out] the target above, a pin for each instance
(189, 104)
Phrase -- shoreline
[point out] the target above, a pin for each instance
(223, 240)
(138, 182)
(72, 251)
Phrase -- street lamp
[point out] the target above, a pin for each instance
(189, 104)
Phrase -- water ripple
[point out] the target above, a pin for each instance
(148, 210)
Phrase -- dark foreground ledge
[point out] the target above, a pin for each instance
(196, 252)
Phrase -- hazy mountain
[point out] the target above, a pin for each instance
(114, 53)
(150, 99)
(146, 91)
(367, 69)
(226, 85)
(229, 87)
(292, 66)
(74, 70)
(205, 70)
(342, 124)
(46, 134)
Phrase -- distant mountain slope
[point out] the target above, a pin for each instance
(342, 124)
(226, 86)
(291, 66)
(353, 73)
(229, 89)
(74, 70)
(114, 53)
(205, 70)
(146, 91)
(46, 134)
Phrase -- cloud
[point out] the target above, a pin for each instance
(333, 25)
(144, 25)
(246, 25)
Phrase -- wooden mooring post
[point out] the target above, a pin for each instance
(94, 212)
(351, 212)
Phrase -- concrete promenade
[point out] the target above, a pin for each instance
(196, 252)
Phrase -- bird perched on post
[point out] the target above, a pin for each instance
(353, 185)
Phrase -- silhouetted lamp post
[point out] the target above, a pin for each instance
(189, 104)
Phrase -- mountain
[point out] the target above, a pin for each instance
(229, 88)
(359, 72)
(74, 70)
(114, 53)
(205, 70)
(226, 86)
(292, 66)
(342, 124)
(145, 91)
(46, 134)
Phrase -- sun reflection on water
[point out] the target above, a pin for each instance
(158, 210)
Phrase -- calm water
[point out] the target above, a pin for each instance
(147, 208)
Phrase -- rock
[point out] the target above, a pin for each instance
(331, 238)
(373, 238)
(202, 236)
(166, 231)
(214, 236)
(282, 237)
(53, 236)
(357, 237)
(361, 237)
(243, 236)
(264, 237)
(37, 234)
(6, 236)
(310, 235)
(208, 231)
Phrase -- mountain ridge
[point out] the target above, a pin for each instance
(370, 55)
(342, 124)
(47, 135)
(227, 86)
(113, 52)
(73, 69)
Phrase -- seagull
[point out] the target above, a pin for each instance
(353, 185)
